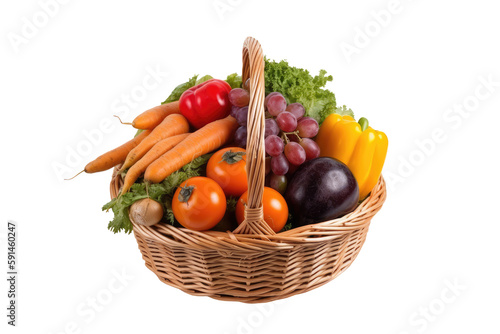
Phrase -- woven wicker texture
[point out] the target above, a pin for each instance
(253, 264)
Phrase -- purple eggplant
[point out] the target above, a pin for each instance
(321, 189)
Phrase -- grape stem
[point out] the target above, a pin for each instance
(285, 137)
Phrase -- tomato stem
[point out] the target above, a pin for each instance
(231, 157)
(185, 193)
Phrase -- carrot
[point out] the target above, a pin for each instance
(113, 157)
(172, 125)
(208, 138)
(154, 153)
(154, 116)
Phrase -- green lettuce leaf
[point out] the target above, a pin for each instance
(234, 80)
(203, 79)
(343, 111)
(298, 85)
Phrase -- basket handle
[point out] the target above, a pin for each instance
(253, 68)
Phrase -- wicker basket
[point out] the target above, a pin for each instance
(253, 264)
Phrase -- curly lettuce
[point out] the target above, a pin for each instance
(298, 85)
(234, 80)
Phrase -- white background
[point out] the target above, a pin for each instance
(439, 226)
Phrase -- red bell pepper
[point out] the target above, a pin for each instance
(206, 102)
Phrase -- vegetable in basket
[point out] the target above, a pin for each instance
(321, 189)
(227, 167)
(154, 116)
(274, 207)
(199, 203)
(356, 144)
(146, 212)
(206, 102)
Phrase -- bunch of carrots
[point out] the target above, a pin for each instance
(164, 146)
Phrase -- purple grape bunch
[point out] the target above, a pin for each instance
(288, 135)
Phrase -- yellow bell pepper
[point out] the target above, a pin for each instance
(360, 147)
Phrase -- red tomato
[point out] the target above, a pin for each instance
(227, 167)
(275, 209)
(199, 203)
